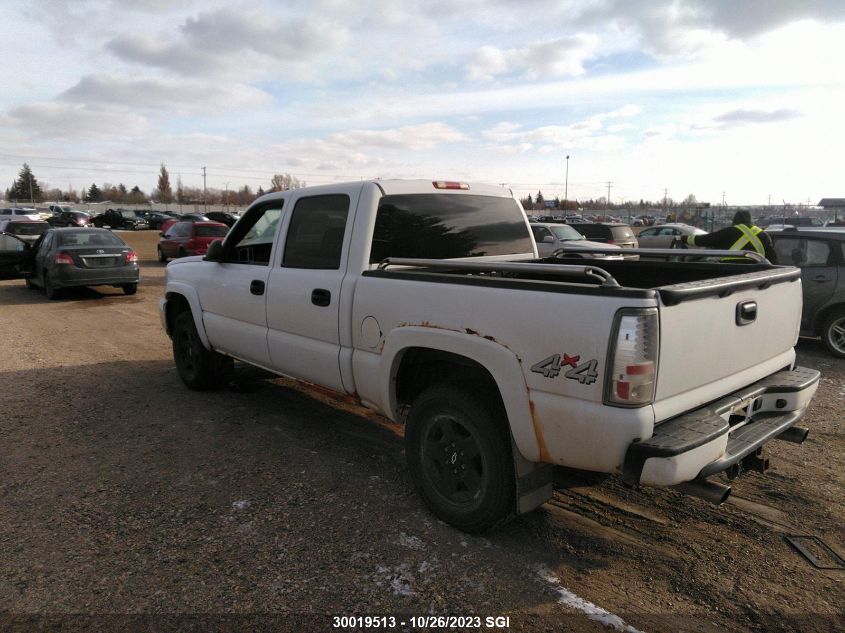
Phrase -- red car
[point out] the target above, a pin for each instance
(189, 238)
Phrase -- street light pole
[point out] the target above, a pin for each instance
(566, 186)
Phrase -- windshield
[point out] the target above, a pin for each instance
(564, 232)
(89, 238)
(438, 226)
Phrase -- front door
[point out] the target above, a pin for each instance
(303, 296)
(233, 292)
(13, 255)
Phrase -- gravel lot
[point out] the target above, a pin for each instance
(124, 493)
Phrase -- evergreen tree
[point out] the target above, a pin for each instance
(136, 196)
(541, 201)
(94, 194)
(26, 187)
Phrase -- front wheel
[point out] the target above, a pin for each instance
(161, 256)
(130, 289)
(833, 333)
(200, 369)
(459, 457)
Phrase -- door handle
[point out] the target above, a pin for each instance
(256, 287)
(821, 278)
(321, 297)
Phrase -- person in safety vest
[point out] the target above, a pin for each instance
(742, 236)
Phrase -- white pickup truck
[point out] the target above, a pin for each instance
(427, 302)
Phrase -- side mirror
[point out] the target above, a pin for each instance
(161, 234)
(549, 239)
(214, 252)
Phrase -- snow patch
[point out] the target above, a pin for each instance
(240, 505)
(411, 542)
(586, 607)
(398, 579)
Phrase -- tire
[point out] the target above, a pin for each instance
(833, 333)
(181, 252)
(50, 291)
(161, 256)
(130, 289)
(450, 429)
(30, 284)
(200, 369)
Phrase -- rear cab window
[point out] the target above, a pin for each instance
(316, 230)
(438, 226)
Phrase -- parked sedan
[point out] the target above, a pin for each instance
(662, 236)
(551, 237)
(67, 257)
(189, 238)
(70, 218)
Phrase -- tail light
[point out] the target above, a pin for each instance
(64, 258)
(632, 359)
(611, 241)
(131, 257)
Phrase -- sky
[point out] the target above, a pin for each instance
(734, 102)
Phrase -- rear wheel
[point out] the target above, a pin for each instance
(50, 290)
(130, 289)
(833, 333)
(30, 284)
(200, 369)
(459, 456)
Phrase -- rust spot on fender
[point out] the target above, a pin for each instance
(538, 433)
(471, 331)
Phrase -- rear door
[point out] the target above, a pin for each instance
(303, 295)
(816, 258)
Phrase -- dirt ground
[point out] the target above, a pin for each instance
(122, 492)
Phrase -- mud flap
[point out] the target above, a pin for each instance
(533, 482)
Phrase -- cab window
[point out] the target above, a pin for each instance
(802, 252)
(251, 240)
(315, 234)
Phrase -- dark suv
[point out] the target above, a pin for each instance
(619, 234)
(820, 254)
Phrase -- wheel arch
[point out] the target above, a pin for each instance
(823, 314)
(178, 298)
(415, 357)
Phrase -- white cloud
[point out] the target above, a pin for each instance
(75, 121)
(557, 58)
(163, 95)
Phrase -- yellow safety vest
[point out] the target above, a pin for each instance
(749, 236)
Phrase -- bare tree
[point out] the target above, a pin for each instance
(164, 193)
(283, 182)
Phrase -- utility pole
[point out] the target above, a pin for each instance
(204, 198)
(227, 196)
(566, 186)
(609, 185)
(723, 199)
(770, 200)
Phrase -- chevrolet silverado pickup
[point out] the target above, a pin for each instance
(427, 302)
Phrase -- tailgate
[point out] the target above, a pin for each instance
(720, 335)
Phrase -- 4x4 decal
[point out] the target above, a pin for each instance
(585, 373)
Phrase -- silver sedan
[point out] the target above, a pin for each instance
(662, 236)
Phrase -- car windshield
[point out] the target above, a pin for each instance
(211, 231)
(565, 232)
(89, 238)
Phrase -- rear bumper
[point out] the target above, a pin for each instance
(66, 278)
(712, 439)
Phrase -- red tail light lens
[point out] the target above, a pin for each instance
(611, 241)
(633, 358)
(131, 257)
(64, 258)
